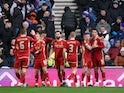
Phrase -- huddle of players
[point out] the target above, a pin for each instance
(91, 49)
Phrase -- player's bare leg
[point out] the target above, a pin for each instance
(83, 75)
(36, 77)
(46, 76)
(88, 77)
(72, 76)
(42, 77)
(103, 75)
(17, 73)
(22, 76)
(74, 70)
(18, 76)
(61, 75)
(96, 76)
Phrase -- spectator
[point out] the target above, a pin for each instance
(41, 11)
(108, 61)
(39, 4)
(120, 33)
(86, 23)
(82, 5)
(104, 23)
(28, 27)
(39, 28)
(122, 42)
(104, 4)
(29, 7)
(6, 10)
(114, 50)
(103, 32)
(116, 26)
(104, 14)
(105, 36)
(7, 37)
(94, 5)
(50, 28)
(32, 18)
(107, 46)
(69, 21)
(14, 4)
(48, 20)
(114, 11)
(18, 16)
(119, 60)
(6, 1)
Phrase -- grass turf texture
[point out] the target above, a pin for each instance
(62, 90)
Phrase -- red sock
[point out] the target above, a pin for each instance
(60, 76)
(96, 76)
(22, 78)
(75, 79)
(36, 77)
(18, 75)
(63, 75)
(88, 78)
(103, 76)
(46, 76)
(83, 76)
(43, 76)
(72, 75)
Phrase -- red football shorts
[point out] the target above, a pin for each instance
(73, 64)
(21, 63)
(59, 62)
(98, 59)
(40, 64)
(87, 62)
(72, 58)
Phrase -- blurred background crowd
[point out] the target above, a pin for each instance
(106, 16)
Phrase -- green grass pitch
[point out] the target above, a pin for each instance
(62, 90)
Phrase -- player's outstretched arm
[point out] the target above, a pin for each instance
(51, 51)
(34, 37)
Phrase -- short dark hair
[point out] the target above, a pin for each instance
(94, 29)
(58, 31)
(23, 31)
(44, 4)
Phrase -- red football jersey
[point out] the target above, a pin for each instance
(72, 46)
(40, 47)
(72, 50)
(86, 52)
(98, 41)
(58, 46)
(22, 46)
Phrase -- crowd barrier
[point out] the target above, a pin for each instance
(114, 77)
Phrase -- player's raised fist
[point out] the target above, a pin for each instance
(32, 32)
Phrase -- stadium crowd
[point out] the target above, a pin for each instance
(106, 16)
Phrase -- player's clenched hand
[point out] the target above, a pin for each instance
(94, 46)
(88, 47)
(32, 32)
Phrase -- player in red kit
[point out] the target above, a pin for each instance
(97, 55)
(47, 40)
(58, 46)
(86, 58)
(22, 54)
(40, 61)
(72, 57)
